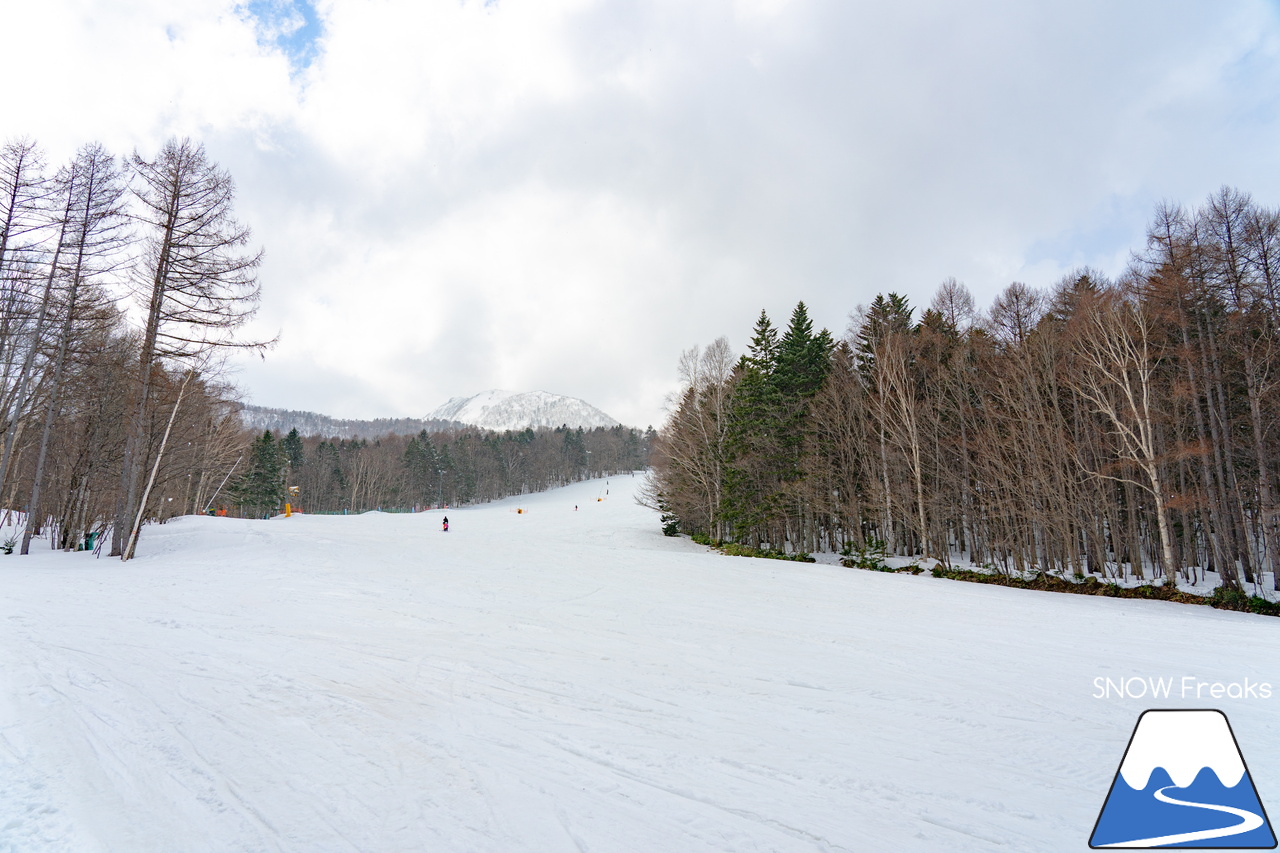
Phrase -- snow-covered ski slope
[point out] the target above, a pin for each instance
(555, 680)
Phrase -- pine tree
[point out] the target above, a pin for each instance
(291, 444)
(753, 446)
(261, 489)
(887, 315)
(575, 450)
(762, 352)
(792, 351)
(422, 466)
(802, 365)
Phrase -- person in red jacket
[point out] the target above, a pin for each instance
(446, 524)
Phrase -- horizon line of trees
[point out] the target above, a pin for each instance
(442, 468)
(1105, 427)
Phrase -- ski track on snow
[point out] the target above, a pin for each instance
(563, 681)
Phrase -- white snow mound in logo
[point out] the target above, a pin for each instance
(1183, 743)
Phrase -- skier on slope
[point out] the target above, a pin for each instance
(446, 524)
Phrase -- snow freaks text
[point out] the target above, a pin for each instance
(1178, 687)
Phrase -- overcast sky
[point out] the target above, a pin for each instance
(561, 195)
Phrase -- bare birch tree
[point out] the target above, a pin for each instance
(1118, 379)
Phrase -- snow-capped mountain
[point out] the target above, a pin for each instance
(503, 410)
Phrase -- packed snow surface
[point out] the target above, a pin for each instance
(569, 680)
(516, 410)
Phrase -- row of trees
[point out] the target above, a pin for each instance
(1102, 426)
(113, 415)
(121, 283)
(429, 469)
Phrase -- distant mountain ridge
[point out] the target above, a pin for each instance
(493, 410)
(311, 423)
(516, 410)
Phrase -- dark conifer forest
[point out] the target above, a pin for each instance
(443, 468)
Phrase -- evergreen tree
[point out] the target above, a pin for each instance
(261, 489)
(803, 357)
(421, 466)
(887, 314)
(753, 447)
(291, 444)
(449, 481)
(803, 362)
(575, 449)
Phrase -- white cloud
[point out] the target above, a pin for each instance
(527, 288)
(133, 74)
(402, 82)
(564, 195)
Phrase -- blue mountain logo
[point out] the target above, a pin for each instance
(1183, 783)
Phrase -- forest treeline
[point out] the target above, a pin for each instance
(1107, 428)
(441, 468)
(123, 283)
